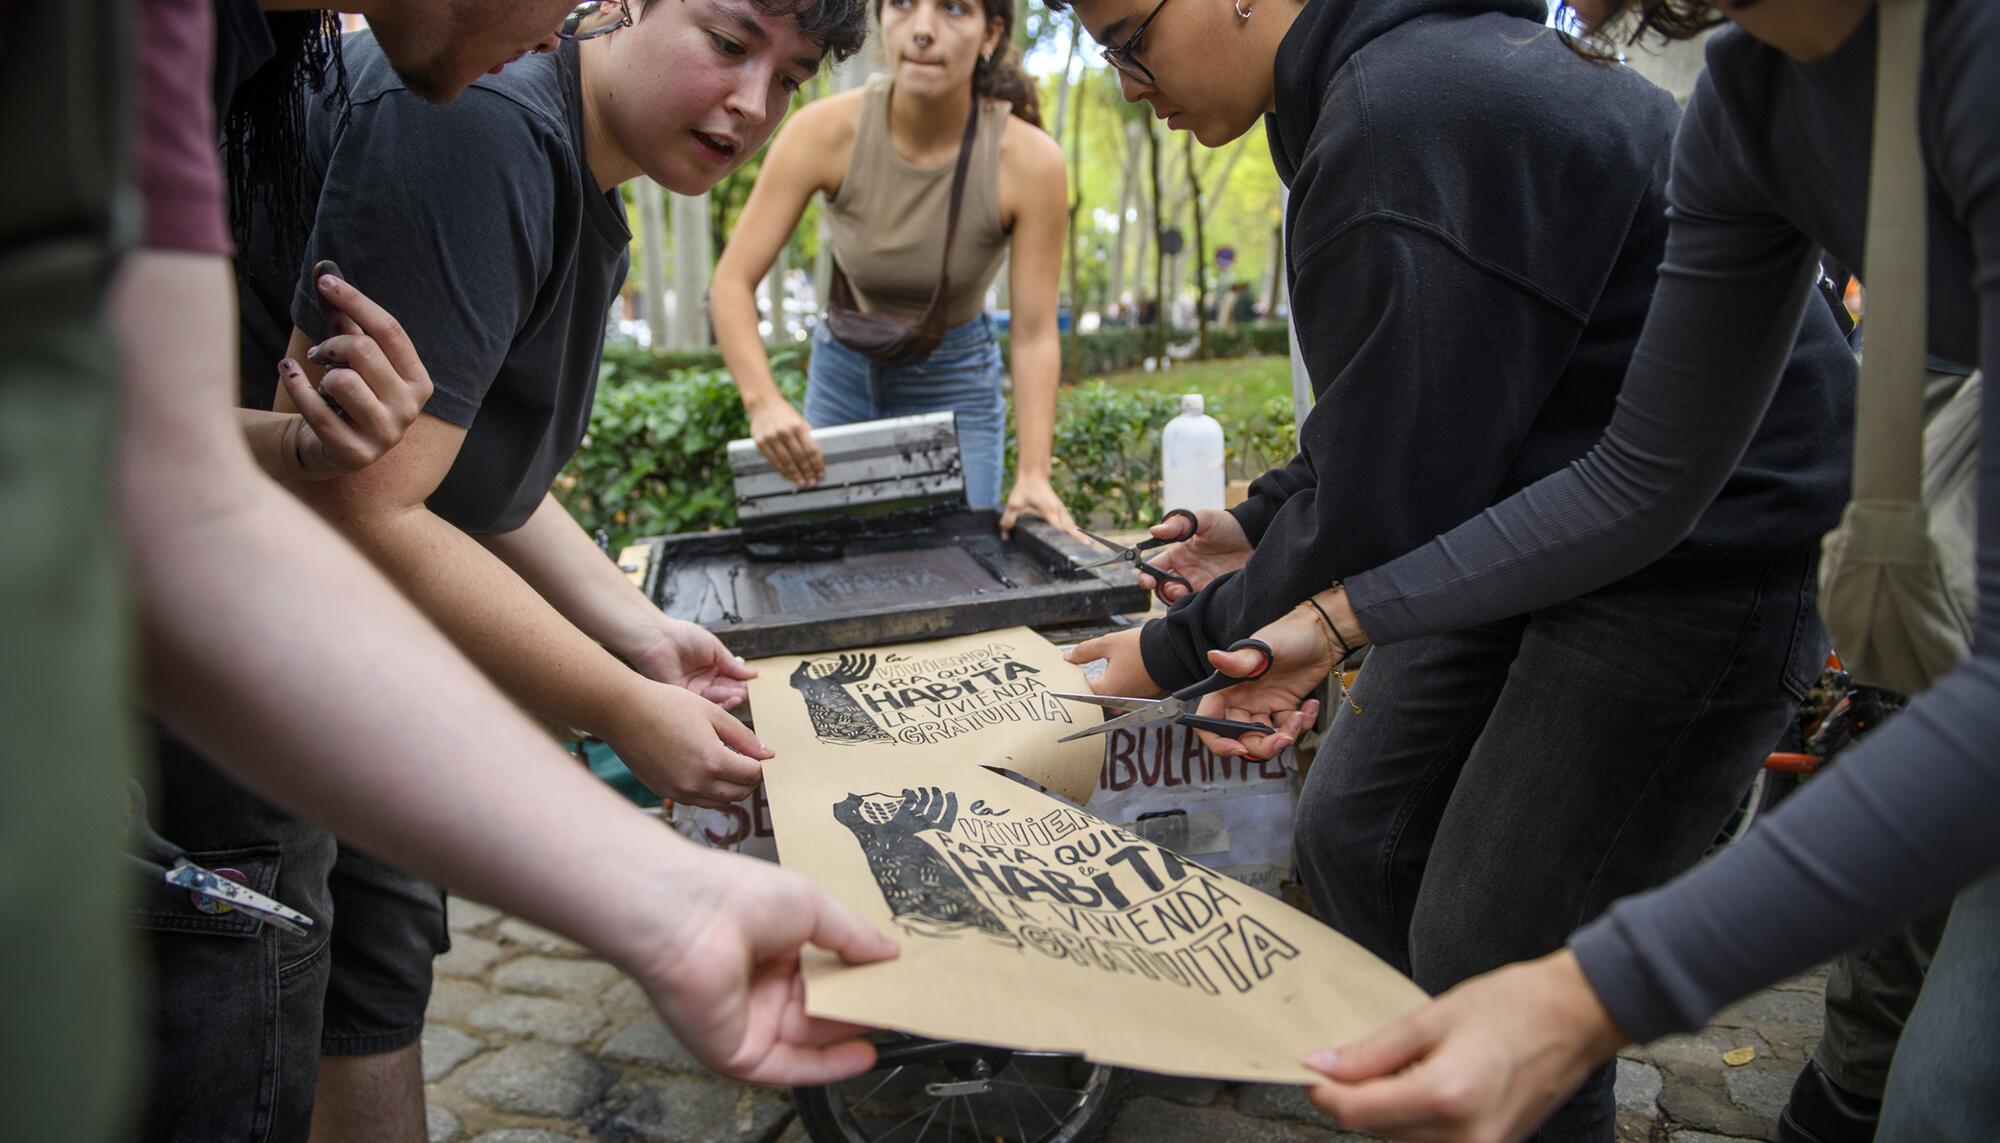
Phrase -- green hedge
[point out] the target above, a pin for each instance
(1111, 350)
(654, 459)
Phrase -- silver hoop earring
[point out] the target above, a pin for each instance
(1240, 13)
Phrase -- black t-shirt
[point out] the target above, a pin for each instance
(479, 225)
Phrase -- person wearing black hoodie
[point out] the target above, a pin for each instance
(1475, 225)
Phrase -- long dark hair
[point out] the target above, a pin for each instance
(1003, 77)
(264, 127)
(1666, 19)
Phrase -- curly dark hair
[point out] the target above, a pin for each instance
(840, 25)
(1666, 19)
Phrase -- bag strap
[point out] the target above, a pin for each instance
(842, 293)
(957, 198)
(1889, 408)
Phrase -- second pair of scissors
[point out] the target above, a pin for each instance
(1133, 553)
(1180, 706)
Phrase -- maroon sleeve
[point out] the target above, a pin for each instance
(179, 174)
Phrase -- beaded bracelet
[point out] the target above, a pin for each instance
(1341, 652)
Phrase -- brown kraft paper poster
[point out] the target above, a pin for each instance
(980, 699)
(1030, 924)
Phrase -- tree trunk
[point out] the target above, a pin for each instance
(1063, 86)
(653, 258)
(1128, 189)
(1200, 252)
(1273, 291)
(1075, 208)
(1159, 254)
(692, 261)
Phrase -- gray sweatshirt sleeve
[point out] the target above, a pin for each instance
(1732, 291)
(1910, 815)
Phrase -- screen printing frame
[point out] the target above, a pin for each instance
(1070, 595)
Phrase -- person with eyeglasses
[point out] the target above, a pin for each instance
(280, 659)
(1474, 231)
(884, 157)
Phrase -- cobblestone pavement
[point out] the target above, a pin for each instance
(530, 1040)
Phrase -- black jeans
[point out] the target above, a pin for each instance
(242, 1014)
(1505, 783)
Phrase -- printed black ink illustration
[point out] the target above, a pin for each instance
(917, 701)
(924, 895)
(1067, 886)
(836, 717)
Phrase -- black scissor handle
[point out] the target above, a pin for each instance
(1225, 727)
(1217, 680)
(1194, 525)
(1161, 578)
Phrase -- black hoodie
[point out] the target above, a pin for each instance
(1475, 223)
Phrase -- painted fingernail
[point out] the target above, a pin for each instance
(1322, 1060)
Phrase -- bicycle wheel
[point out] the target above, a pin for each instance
(925, 1091)
(1766, 790)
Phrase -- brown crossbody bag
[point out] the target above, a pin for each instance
(900, 339)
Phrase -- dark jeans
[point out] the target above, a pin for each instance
(1941, 1087)
(242, 1014)
(1869, 994)
(1505, 783)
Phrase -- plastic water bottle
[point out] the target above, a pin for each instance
(1191, 458)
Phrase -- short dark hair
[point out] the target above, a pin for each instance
(840, 25)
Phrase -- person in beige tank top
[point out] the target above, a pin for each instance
(883, 156)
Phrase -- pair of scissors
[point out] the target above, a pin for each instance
(220, 893)
(1179, 706)
(1131, 554)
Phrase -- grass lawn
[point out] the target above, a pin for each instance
(1239, 385)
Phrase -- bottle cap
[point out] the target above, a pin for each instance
(1191, 405)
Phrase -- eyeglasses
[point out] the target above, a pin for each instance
(594, 18)
(1125, 57)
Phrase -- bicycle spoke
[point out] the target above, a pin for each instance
(1076, 1091)
(1032, 1094)
(969, 1114)
(898, 1070)
(904, 1122)
(1014, 1106)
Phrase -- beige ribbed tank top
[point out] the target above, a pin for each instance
(887, 223)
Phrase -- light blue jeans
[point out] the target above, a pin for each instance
(1941, 1087)
(962, 377)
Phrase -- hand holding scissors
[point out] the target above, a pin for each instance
(1133, 554)
(1179, 706)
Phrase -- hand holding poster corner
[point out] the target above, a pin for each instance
(1025, 922)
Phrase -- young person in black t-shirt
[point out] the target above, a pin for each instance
(233, 1051)
(493, 229)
